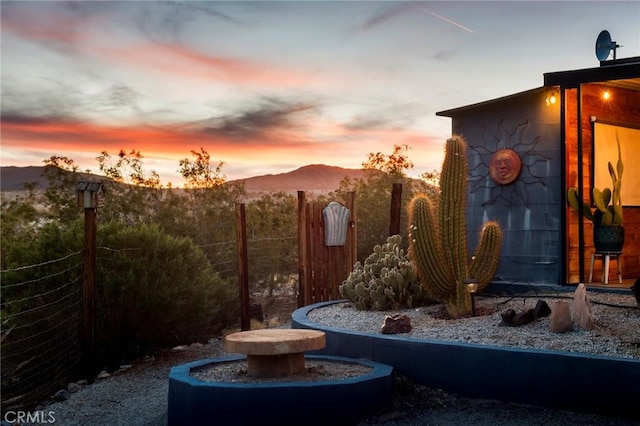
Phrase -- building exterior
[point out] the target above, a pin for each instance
(525, 150)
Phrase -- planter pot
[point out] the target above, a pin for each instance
(608, 238)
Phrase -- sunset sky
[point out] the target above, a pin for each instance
(268, 87)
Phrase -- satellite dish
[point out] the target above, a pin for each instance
(604, 45)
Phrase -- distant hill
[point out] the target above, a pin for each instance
(316, 178)
(14, 178)
(313, 178)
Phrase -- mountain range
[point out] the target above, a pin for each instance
(316, 178)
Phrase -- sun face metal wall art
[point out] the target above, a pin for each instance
(505, 165)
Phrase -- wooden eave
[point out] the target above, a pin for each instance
(455, 111)
(625, 71)
(622, 69)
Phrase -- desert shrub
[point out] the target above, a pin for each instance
(40, 309)
(35, 262)
(152, 289)
(155, 290)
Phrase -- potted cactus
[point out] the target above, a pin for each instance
(608, 232)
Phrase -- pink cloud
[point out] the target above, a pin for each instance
(183, 62)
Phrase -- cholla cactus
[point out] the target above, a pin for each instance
(386, 280)
(438, 240)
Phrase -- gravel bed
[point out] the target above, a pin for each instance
(236, 372)
(616, 318)
(137, 395)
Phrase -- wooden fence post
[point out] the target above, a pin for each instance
(243, 266)
(89, 290)
(88, 196)
(396, 208)
(352, 235)
(302, 248)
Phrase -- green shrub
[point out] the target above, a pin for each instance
(152, 290)
(155, 290)
(41, 289)
(35, 262)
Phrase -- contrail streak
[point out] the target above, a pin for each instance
(447, 20)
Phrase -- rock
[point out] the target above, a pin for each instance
(103, 375)
(196, 345)
(560, 321)
(83, 382)
(523, 317)
(542, 309)
(61, 395)
(180, 348)
(122, 369)
(507, 316)
(510, 317)
(73, 387)
(582, 312)
(395, 324)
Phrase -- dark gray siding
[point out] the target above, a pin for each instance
(529, 209)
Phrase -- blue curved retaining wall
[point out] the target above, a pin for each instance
(346, 401)
(550, 378)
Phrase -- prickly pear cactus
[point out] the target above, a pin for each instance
(387, 280)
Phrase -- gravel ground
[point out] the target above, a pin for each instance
(137, 395)
(616, 319)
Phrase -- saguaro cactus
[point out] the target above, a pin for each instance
(438, 240)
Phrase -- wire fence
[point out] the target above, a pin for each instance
(42, 309)
(273, 278)
(44, 330)
(40, 329)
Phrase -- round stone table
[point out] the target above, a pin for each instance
(275, 352)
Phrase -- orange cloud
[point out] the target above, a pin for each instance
(325, 141)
